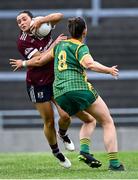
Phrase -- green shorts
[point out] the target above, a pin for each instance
(74, 101)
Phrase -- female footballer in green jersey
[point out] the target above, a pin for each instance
(73, 92)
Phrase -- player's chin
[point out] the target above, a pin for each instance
(25, 29)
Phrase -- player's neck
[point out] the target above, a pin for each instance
(81, 39)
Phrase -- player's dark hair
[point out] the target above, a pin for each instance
(27, 12)
(76, 26)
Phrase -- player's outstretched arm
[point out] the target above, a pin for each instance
(17, 64)
(33, 62)
(89, 63)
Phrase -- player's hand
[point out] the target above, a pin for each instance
(16, 64)
(60, 38)
(114, 71)
(36, 24)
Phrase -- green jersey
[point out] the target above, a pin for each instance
(70, 75)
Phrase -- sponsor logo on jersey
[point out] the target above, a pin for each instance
(28, 50)
(48, 45)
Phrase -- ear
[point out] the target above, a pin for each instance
(84, 33)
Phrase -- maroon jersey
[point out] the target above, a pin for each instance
(28, 45)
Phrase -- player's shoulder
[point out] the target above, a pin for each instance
(74, 41)
(24, 38)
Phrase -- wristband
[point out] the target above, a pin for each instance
(24, 64)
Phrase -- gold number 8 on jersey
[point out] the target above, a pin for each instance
(62, 65)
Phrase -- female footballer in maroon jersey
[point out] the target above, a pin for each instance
(39, 80)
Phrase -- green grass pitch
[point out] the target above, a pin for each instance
(45, 166)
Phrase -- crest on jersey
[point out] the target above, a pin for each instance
(40, 95)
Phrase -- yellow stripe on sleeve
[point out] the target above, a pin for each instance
(52, 52)
(85, 56)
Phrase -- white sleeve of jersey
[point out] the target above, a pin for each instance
(32, 53)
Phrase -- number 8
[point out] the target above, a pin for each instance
(62, 65)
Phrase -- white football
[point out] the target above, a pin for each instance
(43, 30)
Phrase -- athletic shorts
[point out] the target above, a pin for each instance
(38, 94)
(74, 101)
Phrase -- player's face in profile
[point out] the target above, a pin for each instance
(23, 21)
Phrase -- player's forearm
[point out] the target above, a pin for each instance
(96, 66)
(89, 63)
(32, 62)
(38, 60)
(53, 18)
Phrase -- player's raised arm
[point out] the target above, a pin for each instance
(53, 18)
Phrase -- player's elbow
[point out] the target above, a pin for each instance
(57, 17)
(39, 62)
(90, 65)
(60, 15)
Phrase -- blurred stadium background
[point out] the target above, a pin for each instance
(112, 39)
